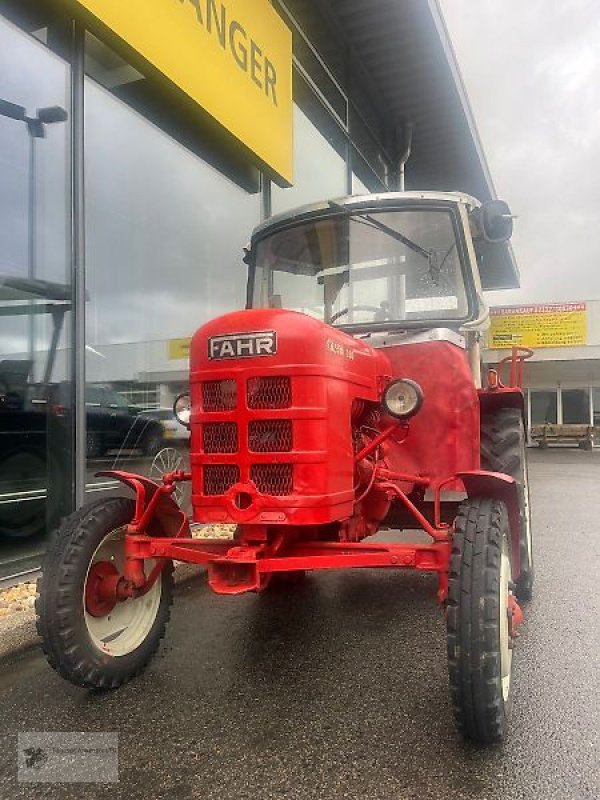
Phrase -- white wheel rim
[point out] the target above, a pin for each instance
(505, 648)
(168, 460)
(128, 624)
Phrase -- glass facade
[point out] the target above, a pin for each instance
(319, 169)
(544, 407)
(162, 258)
(565, 406)
(35, 293)
(576, 406)
(596, 406)
(168, 209)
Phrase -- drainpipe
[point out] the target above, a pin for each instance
(407, 135)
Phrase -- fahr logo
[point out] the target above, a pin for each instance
(242, 345)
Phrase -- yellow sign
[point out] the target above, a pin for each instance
(179, 348)
(233, 58)
(552, 325)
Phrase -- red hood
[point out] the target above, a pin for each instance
(292, 341)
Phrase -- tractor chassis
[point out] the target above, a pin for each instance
(235, 567)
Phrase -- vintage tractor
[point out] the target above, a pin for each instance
(346, 399)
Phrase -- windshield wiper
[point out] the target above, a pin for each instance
(430, 255)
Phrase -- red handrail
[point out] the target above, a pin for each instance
(516, 359)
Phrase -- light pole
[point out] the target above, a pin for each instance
(36, 130)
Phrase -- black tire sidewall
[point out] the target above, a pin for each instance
(61, 607)
(510, 420)
(474, 619)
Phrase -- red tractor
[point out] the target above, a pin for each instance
(346, 399)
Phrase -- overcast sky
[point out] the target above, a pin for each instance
(532, 72)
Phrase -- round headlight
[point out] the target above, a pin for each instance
(182, 409)
(403, 398)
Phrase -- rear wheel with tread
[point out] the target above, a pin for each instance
(503, 449)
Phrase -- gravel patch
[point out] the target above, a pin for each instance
(17, 598)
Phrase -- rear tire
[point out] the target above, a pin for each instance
(479, 646)
(503, 449)
(97, 652)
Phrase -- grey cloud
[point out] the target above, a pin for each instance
(532, 72)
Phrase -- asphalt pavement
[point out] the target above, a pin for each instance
(337, 687)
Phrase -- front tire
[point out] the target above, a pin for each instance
(478, 621)
(97, 650)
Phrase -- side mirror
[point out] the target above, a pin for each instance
(493, 221)
(182, 409)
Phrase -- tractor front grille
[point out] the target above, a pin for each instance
(270, 436)
(269, 392)
(228, 435)
(219, 395)
(219, 478)
(274, 479)
(220, 437)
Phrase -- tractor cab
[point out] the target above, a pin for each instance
(386, 263)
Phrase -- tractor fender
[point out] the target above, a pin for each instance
(480, 483)
(167, 519)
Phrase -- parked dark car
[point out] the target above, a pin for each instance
(34, 432)
(30, 472)
(112, 423)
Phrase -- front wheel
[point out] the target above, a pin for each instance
(89, 641)
(480, 615)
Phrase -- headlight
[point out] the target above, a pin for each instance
(182, 409)
(403, 398)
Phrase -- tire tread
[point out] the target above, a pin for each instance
(473, 620)
(58, 603)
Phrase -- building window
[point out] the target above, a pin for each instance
(596, 402)
(576, 406)
(544, 407)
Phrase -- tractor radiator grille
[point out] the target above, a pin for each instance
(219, 395)
(218, 478)
(220, 437)
(269, 392)
(274, 479)
(270, 436)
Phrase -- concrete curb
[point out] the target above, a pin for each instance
(18, 635)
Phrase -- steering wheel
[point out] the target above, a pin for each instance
(344, 311)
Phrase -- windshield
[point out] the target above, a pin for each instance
(371, 266)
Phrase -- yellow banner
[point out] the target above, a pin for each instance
(179, 348)
(551, 325)
(234, 59)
